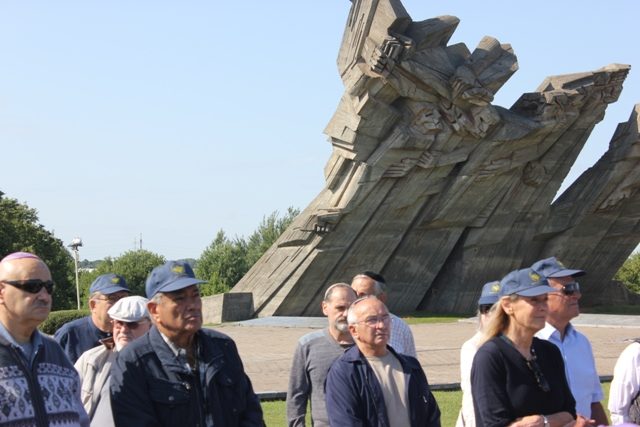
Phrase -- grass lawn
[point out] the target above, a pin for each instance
(448, 401)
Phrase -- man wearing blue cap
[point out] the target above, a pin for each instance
(178, 373)
(489, 296)
(85, 333)
(580, 367)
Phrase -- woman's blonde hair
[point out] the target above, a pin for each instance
(498, 319)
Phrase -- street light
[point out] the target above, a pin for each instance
(75, 244)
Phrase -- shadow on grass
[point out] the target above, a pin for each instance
(612, 309)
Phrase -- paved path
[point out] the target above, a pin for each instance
(266, 345)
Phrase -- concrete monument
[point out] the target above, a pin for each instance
(438, 189)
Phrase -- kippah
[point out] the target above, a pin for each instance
(19, 255)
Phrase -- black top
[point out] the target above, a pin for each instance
(504, 388)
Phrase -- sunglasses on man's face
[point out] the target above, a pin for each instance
(33, 286)
(570, 289)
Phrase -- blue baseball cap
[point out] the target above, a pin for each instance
(551, 267)
(108, 284)
(525, 282)
(490, 293)
(169, 277)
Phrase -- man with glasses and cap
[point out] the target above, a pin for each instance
(130, 321)
(563, 305)
(179, 373)
(38, 384)
(489, 296)
(373, 385)
(80, 335)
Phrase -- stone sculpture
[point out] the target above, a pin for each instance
(438, 189)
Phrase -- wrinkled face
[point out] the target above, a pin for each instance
(373, 327)
(563, 307)
(19, 305)
(527, 312)
(99, 304)
(125, 332)
(336, 308)
(178, 313)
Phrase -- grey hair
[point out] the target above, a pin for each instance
(379, 287)
(156, 298)
(330, 290)
(352, 319)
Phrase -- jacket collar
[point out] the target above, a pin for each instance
(354, 355)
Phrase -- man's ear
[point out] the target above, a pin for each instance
(2, 288)
(92, 304)
(324, 308)
(152, 307)
(353, 332)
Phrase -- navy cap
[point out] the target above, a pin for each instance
(525, 282)
(551, 267)
(108, 284)
(169, 277)
(490, 293)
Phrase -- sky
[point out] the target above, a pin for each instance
(168, 121)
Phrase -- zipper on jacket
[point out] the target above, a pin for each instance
(34, 388)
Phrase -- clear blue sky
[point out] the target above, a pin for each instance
(177, 119)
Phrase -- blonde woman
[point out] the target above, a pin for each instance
(516, 379)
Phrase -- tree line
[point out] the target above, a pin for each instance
(222, 264)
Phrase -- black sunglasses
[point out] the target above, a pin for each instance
(571, 288)
(537, 373)
(33, 286)
(484, 308)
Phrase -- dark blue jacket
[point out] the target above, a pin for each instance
(354, 396)
(78, 336)
(151, 387)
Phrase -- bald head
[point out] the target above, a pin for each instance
(370, 325)
(364, 285)
(23, 266)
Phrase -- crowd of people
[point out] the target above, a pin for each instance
(137, 361)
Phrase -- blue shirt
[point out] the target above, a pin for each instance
(78, 336)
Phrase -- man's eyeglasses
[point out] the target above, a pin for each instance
(110, 299)
(130, 325)
(484, 308)
(571, 288)
(33, 286)
(374, 321)
(539, 376)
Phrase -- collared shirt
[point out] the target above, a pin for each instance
(34, 345)
(580, 367)
(401, 337)
(625, 385)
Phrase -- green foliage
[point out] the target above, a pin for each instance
(21, 231)
(59, 318)
(225, 261)
(629, 273)
(133, 265)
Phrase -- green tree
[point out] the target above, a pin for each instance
(21, 231)
(133, 265)
(629, 273)
(267, 233)
(222, 264)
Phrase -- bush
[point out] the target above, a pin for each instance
(58, 318)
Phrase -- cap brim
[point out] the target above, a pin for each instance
(113, 289)
(488, 300)
(181, 283)
(566, 272)
(535, 291)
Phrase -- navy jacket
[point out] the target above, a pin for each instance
(78, 336)
(150, 387)
(354, 396)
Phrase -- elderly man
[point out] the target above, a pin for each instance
(130, 321)
(38, 384)
(563, 305)
(179, 374)
(371, 384)
(370, 283)
(80, 335)
(314, 354)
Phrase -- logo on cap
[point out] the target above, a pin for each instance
(495, 288)
(178, 269)
(534, 276)
(115, 280)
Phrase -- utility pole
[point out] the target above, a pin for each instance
(75, 244)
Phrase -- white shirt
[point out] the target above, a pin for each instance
(401, 337)
(579, 366)
(625, 384)
(467, 415)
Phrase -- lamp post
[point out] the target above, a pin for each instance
(75, 244)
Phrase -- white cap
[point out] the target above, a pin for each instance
(129, 309)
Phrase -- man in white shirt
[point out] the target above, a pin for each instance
(623, 403)
(580, 368)
(370, 283)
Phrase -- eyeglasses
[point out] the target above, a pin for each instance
(111, 299)
(374, 321)
(571, 288)
(537, 373)
(33, 286)
(130, 325)
(484, 308)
